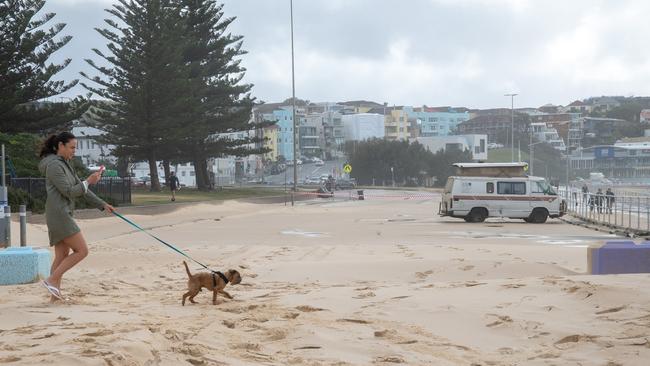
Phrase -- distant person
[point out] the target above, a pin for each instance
(63, 186)
(329, 184)
(600, 198)
(585, 194)
(574, 197)
(610, 199)
(174, 184)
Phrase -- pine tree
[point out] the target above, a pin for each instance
(25, 76)
(140, 85)
(217, 101)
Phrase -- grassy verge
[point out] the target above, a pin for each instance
(142, 197)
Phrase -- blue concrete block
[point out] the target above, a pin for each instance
(23, 265)
(619, 257)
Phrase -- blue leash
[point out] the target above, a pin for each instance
(162, 241)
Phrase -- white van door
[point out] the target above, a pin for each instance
(513, 198)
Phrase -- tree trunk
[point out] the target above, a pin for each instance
(153, 172)
(123, 167)
(166, 169)
(200, 173)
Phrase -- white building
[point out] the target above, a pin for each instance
(634, 143)
(542, 132)
(644, 116)
(88, 149)
(363, 126)
(476, 144)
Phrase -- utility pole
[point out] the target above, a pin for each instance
(512, 117)
(293, 102)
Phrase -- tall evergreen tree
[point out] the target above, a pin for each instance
(25, 76)
(141, 97)
(217, 101)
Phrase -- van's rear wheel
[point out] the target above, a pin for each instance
(539, 216)
(477, 215)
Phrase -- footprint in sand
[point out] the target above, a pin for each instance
(357, 321)
(389, 359)
(276, 334)
(612, 310)
(466, 268)
(364, 295)
(423, 275)
(308, 309)
(99, 333)
(47, 335)
(10, 359)
(193, 350)
(246, 346)
(501, 319)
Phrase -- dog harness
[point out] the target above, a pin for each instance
(214, 278)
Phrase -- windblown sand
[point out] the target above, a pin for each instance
(381, 281)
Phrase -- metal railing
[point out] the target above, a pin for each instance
(118, 189)
(628, 211)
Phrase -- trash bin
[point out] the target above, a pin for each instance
(360, 193)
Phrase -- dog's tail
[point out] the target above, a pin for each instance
(187, 269)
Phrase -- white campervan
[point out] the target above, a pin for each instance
(483, 190)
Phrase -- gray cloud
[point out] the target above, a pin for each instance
(435, 52)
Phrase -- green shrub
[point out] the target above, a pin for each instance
(36, 205)
(19, 197)
(82, 203)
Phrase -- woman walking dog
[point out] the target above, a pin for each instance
(63, 187)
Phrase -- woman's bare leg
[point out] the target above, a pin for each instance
(79, 248)
(61, 251)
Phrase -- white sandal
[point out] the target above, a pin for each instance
(52, 290)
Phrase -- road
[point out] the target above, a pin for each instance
(304, 171)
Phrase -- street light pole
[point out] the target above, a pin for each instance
(532, 155)
(293, 102)
(512, 117)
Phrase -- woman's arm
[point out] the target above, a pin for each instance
(94, 200)
(56, 174)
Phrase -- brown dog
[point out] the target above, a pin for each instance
(214, 282)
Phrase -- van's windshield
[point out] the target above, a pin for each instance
(544, 187)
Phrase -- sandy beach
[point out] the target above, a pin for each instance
(374, 282)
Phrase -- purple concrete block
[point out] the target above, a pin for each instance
(619, 257)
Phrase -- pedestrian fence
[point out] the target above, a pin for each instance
(116, 188)
(629, 211)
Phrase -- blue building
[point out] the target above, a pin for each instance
(436, 121)
(284, 118)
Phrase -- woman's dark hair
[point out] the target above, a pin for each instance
(51, 144)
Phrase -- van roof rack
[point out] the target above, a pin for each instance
(491, 169)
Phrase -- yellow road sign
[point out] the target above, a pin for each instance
(347, 168)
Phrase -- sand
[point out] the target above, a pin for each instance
(375, 282)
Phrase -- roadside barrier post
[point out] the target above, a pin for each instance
(8, 226)
(23, 225)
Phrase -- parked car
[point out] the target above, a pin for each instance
(312, 180)
(345, 184)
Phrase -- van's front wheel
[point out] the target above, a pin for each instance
(539, 216)
(477, 214)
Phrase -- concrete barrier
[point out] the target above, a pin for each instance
(23, 265)
(619, 257)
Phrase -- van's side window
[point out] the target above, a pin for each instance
(511, 187)
(489, 187)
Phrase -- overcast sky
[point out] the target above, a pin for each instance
(414, 52)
